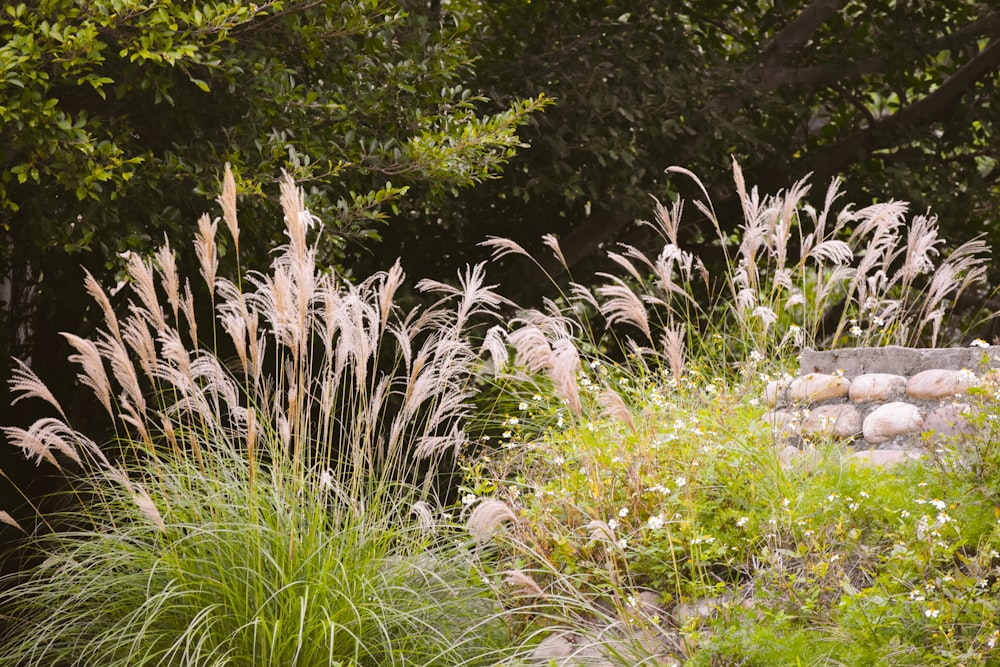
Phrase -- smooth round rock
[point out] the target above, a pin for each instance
(818, 387)
(938, 383)
(877, 387)
(774, 392)
(883, 458)
(887, 421)
(789, 456)
(949, 421)
(841, 421)
(783, 424)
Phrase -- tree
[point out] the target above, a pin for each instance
(896, 98)
(118, 116)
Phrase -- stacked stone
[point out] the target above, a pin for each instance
(862, 402)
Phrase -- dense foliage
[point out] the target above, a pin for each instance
(894, 97)
(114, 113)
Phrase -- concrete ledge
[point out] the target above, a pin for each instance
(898, 360)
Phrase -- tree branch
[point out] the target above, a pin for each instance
(773, 75)
(935, 107)
(797, 33)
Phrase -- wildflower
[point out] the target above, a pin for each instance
(522, 406)
(622, 544)
(680, 481)
(980, 343)
(742, 521)
(468, 499)
(613, 524)
(856, 330)
(931, 612)
(655, 522)
(623, 512)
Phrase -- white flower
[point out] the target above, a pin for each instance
(931, 612)
(680, 481)
(468, 499)
(655, 522)
(742, 521)
(980, 343)
(326, 479)
(966, 374)
(613, 524)
(623, 512)
(522, 406)
(856, 330)
(622, 543)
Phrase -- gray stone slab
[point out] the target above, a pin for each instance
(899, 360)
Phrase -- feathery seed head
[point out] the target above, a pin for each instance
(487, 517)
(228, 203)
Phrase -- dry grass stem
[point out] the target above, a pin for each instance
(10, 521)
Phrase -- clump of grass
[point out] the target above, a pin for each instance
(792, 277)
(276, 511)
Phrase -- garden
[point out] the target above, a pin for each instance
(326, 471)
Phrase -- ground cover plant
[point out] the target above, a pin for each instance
(653, 473)
(278, 490)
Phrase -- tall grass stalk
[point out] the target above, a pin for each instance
(792, 277)
(261, 512)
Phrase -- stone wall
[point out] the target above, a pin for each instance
(884, 400)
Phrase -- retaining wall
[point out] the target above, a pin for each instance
(891, 398)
